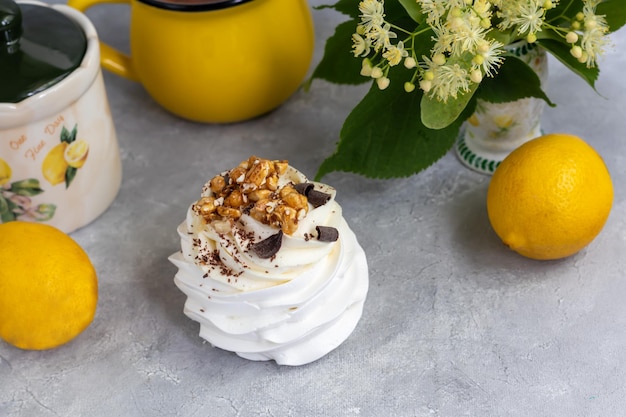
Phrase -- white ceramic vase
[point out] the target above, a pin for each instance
(496, 129)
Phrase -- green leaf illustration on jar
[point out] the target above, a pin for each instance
(15, 198)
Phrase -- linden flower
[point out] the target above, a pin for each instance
(490, 56)
(372, 14)
(382, 82)
(444, 80)
(464, 49)
(366, 68)
(482, 8)
(410, 62)
(394, 54)
(449, 81)
(360, 45)
(593, 38)
(434, 9)
(593, 43)
(529, 17)
(381, 36)
(466, 36)
(444, 39)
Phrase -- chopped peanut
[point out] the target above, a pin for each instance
(229, 212)
(257, 195)
(234, 199)
(217, 184)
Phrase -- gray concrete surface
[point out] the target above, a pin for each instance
(455, 324)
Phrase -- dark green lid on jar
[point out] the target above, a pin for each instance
(10, 25)
(39, 46)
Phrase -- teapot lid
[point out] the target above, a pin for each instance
(39, 46)
(193, 5)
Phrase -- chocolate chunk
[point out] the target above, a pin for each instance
(268, 247)
(327, 234)
(304, 188)
(317, 198)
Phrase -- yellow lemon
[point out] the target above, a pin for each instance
(48, 286)
(5, 172)
(550, 197)
(54, 164)
(76, 153)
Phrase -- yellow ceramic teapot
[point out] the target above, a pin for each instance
(215, 61)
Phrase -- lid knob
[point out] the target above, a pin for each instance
(10, 25)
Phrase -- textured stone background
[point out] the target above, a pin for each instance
(454, 325)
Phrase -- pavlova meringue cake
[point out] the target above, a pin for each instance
(269, 265)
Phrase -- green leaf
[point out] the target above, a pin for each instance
(396, 13)
(6, 214)
(70, 173)
(414, 10)
(28, 187)
(45, 212)
(73, 134)
(562, 52)
(515, 80)
(504, 37)
(66, 135)
(436, 114)
(422, 44)
(614, 12)
(339, 65)
(383, 137)
(347, 7)
(566, 11)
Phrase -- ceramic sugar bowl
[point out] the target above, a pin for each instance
(59, 155)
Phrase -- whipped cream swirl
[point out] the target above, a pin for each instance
(293, 307)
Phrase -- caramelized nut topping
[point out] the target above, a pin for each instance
(234, 199)
(258, 195)
(258, 173)
(229, 212)
(252, 187)
(217, 184)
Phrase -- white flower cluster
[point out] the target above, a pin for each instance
(465, 49)
(588, 34)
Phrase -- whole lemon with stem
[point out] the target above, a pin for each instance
(48, 286)
(550, 197)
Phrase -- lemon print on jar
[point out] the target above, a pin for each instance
(5, 172)
(54, 164)
(76, 153)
